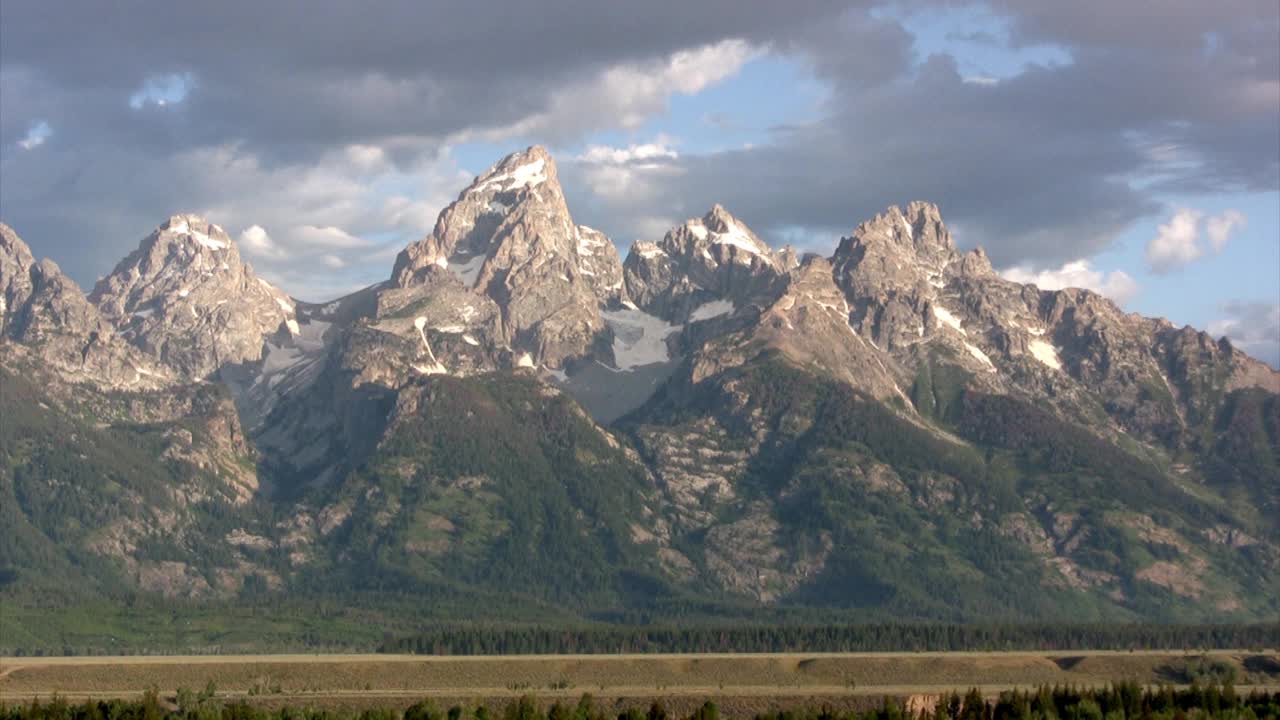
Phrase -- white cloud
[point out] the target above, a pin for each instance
(637, 91)
(624, 95)
(1177, 242)
(1220, 227)
(1254, 327)
(626, 174)
(36, 136)
(328, 237)
(257, 242)
(1117, 285)
(367, 158)
(333, 261)
(657, 150)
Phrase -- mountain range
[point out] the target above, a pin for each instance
(525, 422)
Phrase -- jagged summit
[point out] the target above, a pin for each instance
(510, 238)
(527, 170)
(185, 297)
(44, 310)
(915, 232)
(522, 189)
(714, 257)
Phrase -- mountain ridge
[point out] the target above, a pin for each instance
(851, 432)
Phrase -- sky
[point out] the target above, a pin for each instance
(1131, 148)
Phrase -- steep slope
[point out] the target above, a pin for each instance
(795, 488)
(1010, 423)
(498, 482)
(120, 473)
(185, 298)
(510, 237)
(46, 320)
(109, 492)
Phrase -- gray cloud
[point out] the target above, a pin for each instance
(331, 115)
(1042, 168)
(281, 92)
(1253, 327)
(289, 78)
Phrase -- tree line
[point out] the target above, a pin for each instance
(886, 637)
(1121, 701)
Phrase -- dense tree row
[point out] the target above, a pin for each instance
(481, 640)
(1117, 702)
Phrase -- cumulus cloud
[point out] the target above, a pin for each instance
(255, 241)
(1117, 285)
(622, 95)
(329, 237)
(656, 150)
(630, 93)
(1220, 227)
(1253, 327)
(1177, 242)
(627, 176)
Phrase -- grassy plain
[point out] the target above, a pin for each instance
(741, 681)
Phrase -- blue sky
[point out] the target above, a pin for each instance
(1065, 139)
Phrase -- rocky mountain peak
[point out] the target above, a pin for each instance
(721, 236)
(521, 189)
(714, 257)
(510, 237)
(15, 274)
(185, 297)
(45, 312)
(12, 246)
(915, 232)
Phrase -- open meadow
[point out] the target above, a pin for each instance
(742, 682)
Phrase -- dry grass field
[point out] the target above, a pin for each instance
(745, 682)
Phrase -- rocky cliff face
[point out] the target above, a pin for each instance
(715, 258)
(914, 296)
(45, 319)
(185, 298)
(510, 237)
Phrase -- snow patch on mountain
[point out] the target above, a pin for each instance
(981, 356)
(638, 338)
(183, 227)
(712, 309)
(648, 250)
(739, 238)
(945, 317)
(1045, 353)
(586, 242)
(528, 175)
